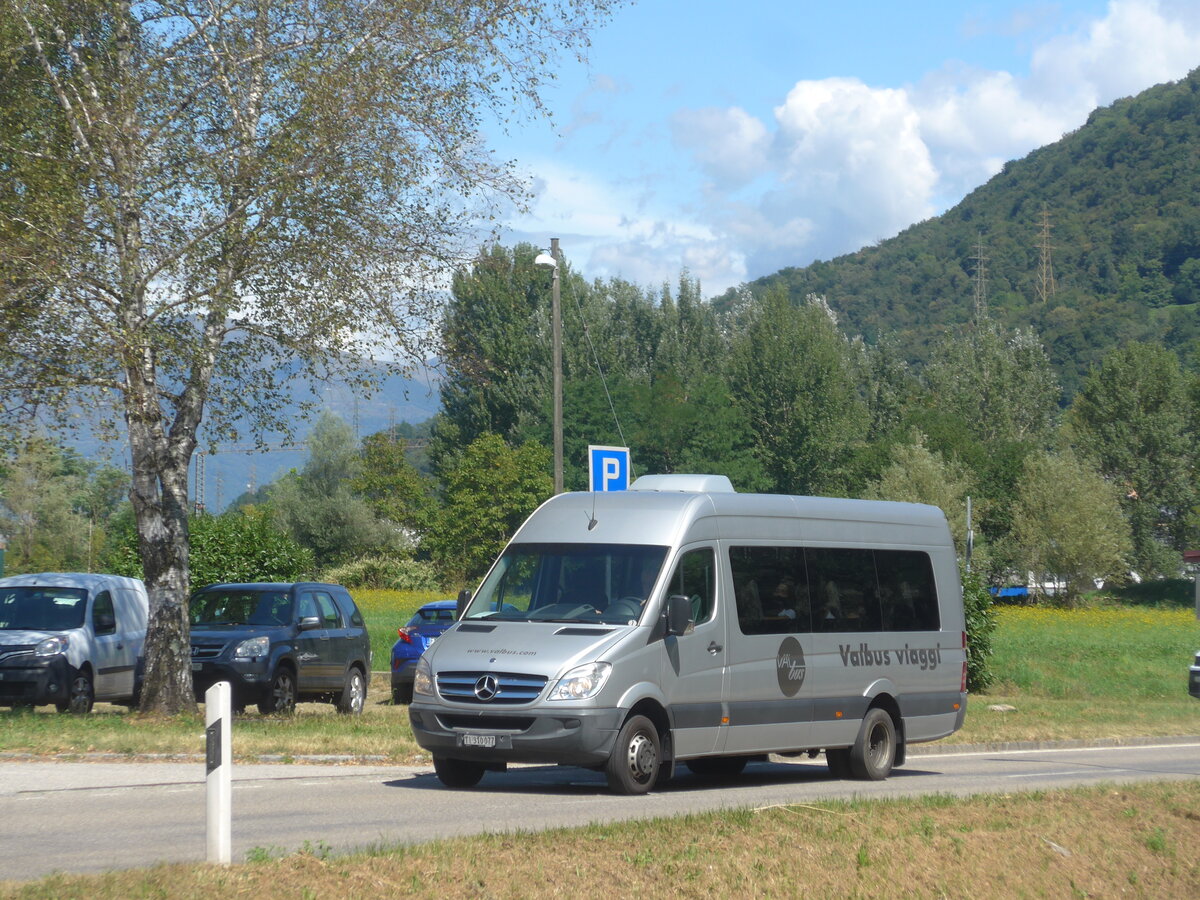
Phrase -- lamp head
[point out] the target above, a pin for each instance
(545, 259)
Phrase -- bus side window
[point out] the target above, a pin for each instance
(906, 589)
(771, 589)
(844, 584)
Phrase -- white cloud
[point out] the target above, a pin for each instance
(730, 145)
(1137, 44)
(841, 163)
(611, 230)
(848, 150)
(850, 163)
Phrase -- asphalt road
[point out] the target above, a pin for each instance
(96, 816)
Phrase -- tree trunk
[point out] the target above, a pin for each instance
(160, 507)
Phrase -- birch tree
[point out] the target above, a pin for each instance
(237, 195)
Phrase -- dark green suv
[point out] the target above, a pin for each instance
(277, 644)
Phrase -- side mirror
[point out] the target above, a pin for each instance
(464, 600)
(679, 615)
(309, 622)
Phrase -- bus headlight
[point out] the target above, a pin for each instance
(582, 682)
(423, 678)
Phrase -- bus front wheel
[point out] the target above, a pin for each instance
(634, 765)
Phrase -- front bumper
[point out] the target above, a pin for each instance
(570, 736)
(31, 681)
(403, 672)
(250, 679)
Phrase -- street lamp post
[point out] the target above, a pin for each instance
(552, 260)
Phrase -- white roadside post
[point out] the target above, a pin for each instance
(218, 709)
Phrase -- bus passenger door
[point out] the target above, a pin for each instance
(694, 664)
(770, 651)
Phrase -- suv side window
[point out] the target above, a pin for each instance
(349, 609)
(104, 618)
(328, 611)
(308, 607)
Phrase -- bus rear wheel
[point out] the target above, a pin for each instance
(874, 751)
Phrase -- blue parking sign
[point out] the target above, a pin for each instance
(608, 468)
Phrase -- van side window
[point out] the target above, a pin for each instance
(770, 589)
(906, 591)
(695, 577)
(104, 618)
(328, 610)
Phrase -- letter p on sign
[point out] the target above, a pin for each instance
(608, 468)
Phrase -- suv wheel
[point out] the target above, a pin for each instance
(282, 696)
(354, 694)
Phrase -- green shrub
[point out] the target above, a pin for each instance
(243, 545)
(1178, 592)
(981, 623)
(384, 572)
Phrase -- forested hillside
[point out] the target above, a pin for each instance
(1119, 198)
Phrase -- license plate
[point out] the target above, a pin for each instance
(195, 667)
(487, 741)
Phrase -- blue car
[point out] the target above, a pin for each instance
(429, 621)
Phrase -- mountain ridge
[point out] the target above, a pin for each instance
(1113, 202)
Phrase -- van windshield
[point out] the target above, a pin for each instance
(42, 608)
(241, 607)
(594, 583)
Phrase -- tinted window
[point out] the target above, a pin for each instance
(308, 607)
(327, 611)
(906, 591)
(104, 618)
(430, 616)
(795, 589)
(240, 606)
(349, 608)
(695, 577)
(770, 589)
(845, 590)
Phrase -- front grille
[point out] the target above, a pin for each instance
(511, 688)
(202, 650)
(487, 723)
(13, 650)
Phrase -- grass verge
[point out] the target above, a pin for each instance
(1094, 842)
(1061, 674)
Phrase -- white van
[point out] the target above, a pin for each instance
(70, 639)
(682, 622)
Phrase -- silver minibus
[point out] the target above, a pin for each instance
(683, 623)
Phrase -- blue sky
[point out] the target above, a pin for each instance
(733, 139)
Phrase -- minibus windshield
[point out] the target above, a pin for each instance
(592, 583)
